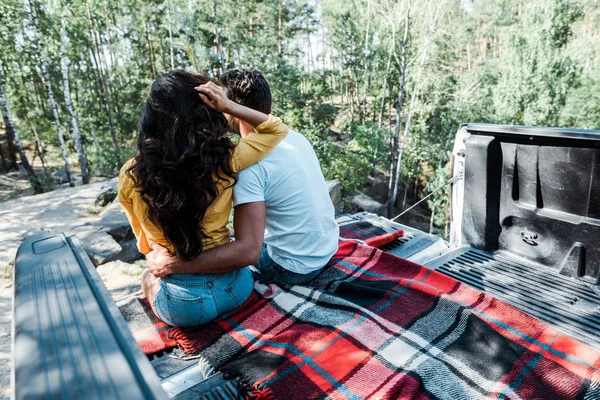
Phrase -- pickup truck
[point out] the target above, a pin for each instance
(525, 207)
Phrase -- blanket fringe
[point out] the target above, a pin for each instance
(260, 392)
(188, 346)
(249, 390)
(206, 370)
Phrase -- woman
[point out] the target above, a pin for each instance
(177, 191)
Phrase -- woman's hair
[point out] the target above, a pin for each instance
(184, 151)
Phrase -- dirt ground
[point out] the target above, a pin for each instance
(5, 327)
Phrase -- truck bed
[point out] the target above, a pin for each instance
(572, 306)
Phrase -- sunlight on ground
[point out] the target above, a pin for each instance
(5, 321)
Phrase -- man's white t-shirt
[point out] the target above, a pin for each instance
(301, 234)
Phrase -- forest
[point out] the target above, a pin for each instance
(379, 87)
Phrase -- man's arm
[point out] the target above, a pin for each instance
(249, 223)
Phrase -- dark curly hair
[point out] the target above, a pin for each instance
(248, 87)
(184, 150)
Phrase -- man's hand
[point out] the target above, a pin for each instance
(214, 96)
(159, 262)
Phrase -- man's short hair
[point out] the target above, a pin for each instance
(248, 87)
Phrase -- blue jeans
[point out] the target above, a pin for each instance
(271, 272)
(195, 299)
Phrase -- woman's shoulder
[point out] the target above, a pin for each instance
(125, 179)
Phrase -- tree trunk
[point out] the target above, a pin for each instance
(171, 37)
(150, 53)
(114, 93)
(11, 126)
(220, 51)
(2, 159)
(12, 149)
(45, 78)
(98, 148)
(401, 147)
(39, 145)
(64, 63)
(190, 52)
(161, 46)
(279, 29)
(431, 219)
(414, 96)
(61, 139)
(103, 80)
(393, 186)
(108, 34)
(383, 89)
(367, 72)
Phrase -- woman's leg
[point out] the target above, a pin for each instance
(149, 287)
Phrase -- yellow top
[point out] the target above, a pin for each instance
(249, 150)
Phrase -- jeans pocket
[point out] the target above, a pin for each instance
(241, 286)
(184, 312)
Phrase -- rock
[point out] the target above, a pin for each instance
(99, 245)
(60, 176)
(130, 252)
(378, 188)
(114, 222)
(120, 278)
(106, 197)
(365, 203)
(335, 192)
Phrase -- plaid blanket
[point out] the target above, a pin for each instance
(361, 230)
(149, 331)
(153, 335)
(374, 326)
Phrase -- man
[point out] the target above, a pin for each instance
(285, 192)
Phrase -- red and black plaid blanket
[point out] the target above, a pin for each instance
(374, 326)
(149, 331)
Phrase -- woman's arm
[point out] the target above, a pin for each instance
(252, 148)
(214, 96)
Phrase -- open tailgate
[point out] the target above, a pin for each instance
(69, 338)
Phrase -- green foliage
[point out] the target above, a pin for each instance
(106, 198)
(440, 202)
(353, 162)
(332, 65)
(42, 183)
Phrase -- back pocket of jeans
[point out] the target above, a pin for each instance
(185, 312)
(241, 286)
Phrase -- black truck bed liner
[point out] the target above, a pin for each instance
(570, 305)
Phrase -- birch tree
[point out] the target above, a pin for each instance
(11, 126)
(104, 79)
(61, 138)
(97, 144)
(393, 186)
(64, 62)
(218, 41)
(414, 96)
(45, 77)
(367, 66)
